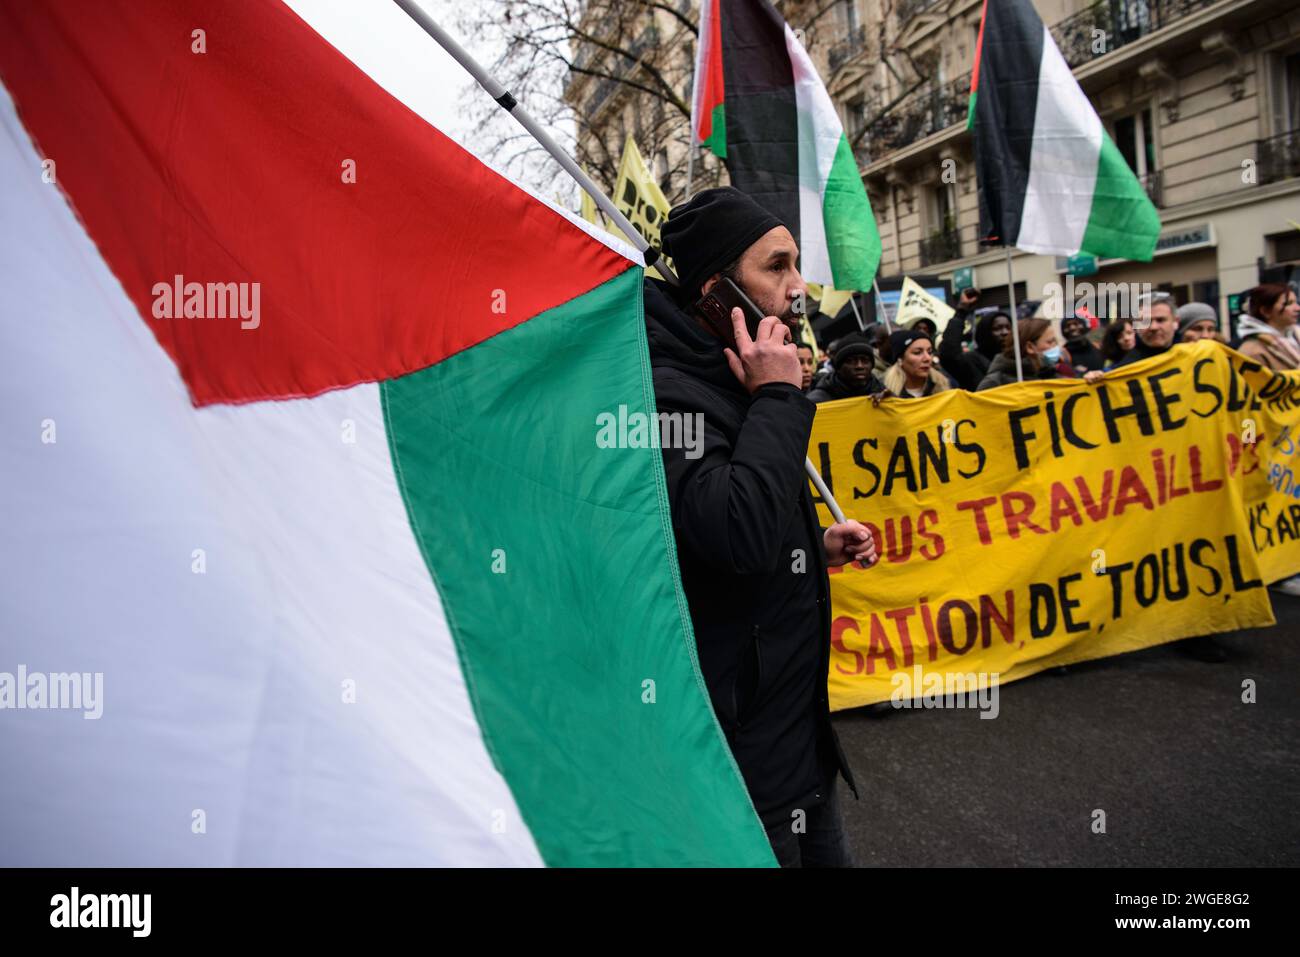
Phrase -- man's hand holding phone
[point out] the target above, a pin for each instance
(768, 356)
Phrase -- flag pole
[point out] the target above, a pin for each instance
(880, 305)
(1015, 321)
(690, 164)
(511, 106)
(508, 103)
(862, 326)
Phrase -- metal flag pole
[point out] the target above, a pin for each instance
(1015, 321)
(880, 305)
(508, 103)
(862, 326)
(690, 166)
(511, 106)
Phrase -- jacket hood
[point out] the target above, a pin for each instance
(1248, 325)
(678, 340)
(984, 341)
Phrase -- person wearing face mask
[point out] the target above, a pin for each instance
(1041, 357)
(914, 373)
(1081, 353)
(992, 329)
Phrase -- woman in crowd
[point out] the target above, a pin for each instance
(913, 373)
(1041, 357)
(1118, 341)
(1266, 332)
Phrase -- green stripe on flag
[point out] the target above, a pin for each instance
(496, 449)
(1122, 222)
(852, 238)
(717, 141)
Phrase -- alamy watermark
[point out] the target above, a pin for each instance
(211, 300)
(643, 430)
(62, 691)
(75, 909)
(1110, 300)
(950, 689)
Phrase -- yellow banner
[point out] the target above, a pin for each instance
(1046, 523)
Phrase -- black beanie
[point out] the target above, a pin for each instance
(900, 339)
(853, 345)
(710, 232)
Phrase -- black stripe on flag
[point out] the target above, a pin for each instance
(1005, 100)
(761, 112)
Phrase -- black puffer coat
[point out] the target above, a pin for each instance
(742, 513)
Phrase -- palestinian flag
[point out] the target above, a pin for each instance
(300, 405)
(760, 105)
(1050, 178)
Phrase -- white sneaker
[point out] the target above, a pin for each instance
(1288, 586)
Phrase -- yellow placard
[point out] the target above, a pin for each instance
(1045, 523)
(915, 303)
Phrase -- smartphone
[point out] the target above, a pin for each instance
(716, 305)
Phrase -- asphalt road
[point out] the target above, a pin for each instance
(1187, 774)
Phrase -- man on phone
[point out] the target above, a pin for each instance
(753, 557)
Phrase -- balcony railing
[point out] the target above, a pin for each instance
(1278, 157)
(1151, 182)
(847, 47)
(1107, 25)
(940, 247)
(924, 112)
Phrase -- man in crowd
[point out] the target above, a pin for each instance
(1155, 328)
(1083, 356)
(753, 558)
(853, 363)
(969, 366)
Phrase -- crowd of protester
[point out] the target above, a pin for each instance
(976, 352)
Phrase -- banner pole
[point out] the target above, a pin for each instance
(508, 103)
(822, 490)
(1015, 322)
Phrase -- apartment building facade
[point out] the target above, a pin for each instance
(1202, 97)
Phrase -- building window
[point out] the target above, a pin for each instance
(943, 242)
(855, 117)
(848, 14)
(1134, 136)
(1286, 93)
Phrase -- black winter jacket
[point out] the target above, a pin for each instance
(1084, 356)
(741, 513)
(967, 367)
(1139, 352)
(836, 388)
